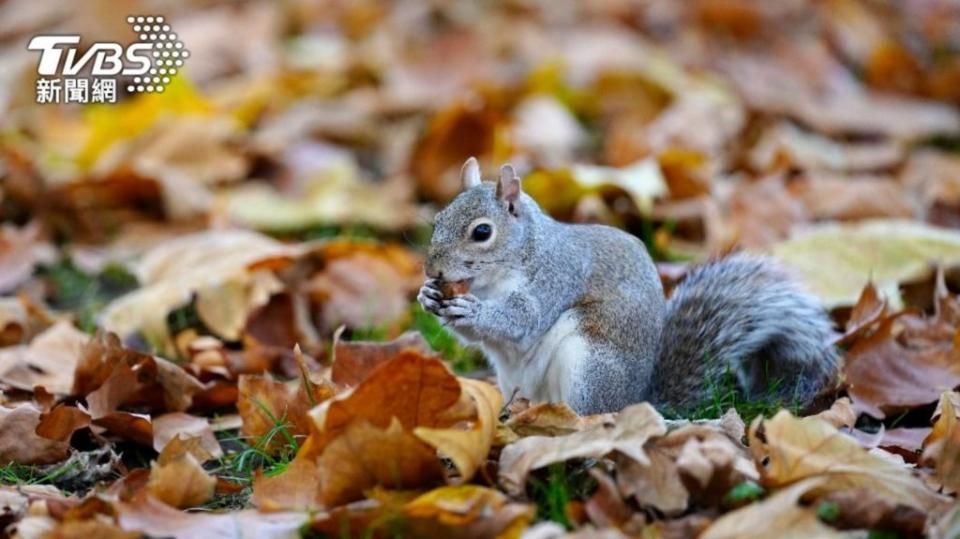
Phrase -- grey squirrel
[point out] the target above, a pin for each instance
(576, 313)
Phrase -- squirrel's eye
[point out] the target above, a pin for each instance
(481, 232)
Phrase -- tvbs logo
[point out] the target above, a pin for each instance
(146, 65)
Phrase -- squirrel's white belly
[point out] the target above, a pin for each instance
(543, 372)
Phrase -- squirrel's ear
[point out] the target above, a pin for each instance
(508, 187)
(470, 173)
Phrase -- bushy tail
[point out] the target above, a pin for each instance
(743, 316)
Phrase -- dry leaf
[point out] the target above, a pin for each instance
(364, 455)
(632, 428)
(147, 515)
(777, 517)
(354, 360)
(169, 427)
(48, 361)
(263, 403)
(178, 478)
(413, 388)
(793, 449)
(468, 448)
(943, 445)
(296, 489)
(546, 419)
(218, 267)
(19, 441)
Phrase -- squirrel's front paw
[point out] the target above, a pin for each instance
(460, 309)
(430, 297)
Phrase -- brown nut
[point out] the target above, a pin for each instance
(454, 288)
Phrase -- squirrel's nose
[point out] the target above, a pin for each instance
(430, 268)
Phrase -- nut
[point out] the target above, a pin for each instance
(454, 288)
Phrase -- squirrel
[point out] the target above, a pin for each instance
(576, 312)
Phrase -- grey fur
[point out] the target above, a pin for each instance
(730, 314)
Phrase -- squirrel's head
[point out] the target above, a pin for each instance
(482, 230)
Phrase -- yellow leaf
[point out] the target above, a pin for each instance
(111, 123)
(468, 449)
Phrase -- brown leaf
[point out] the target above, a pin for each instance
(413, 388)
(354, 360)
(128, 425)
(694, 463)
(20, 251)
(264, 402)
(607, 509)
(885, 375)
(295, 489)
(793, 449)
(633, 427)
(363, 456)
(546, 419)
(177, 477)
(87, 529)
(809, 151)
(48, 361)
(150, 516)
(61, 422)
(169, 427)
(365, 285)
(112, 377)
(864, 509)
(19, 441)
(849, 198)
(218, 268)
(780, 515)
(762, 213)
(942, 447)
(840, 414)
(868, 310)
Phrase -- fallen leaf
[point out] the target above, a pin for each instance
(177, 478)
(295, 489)
(942, 447)
(632, 428)
(21, 250)
(810, 151)
(863, 509)
(413, 388)
(607, 509)
(696, 463)
(885, 375)
(217, 267)
(840, 414)
(333, 196)
(780, 514)
(364, 455)
(168, 427)
(851, 197)
(546, 419)
(793, 449)
(365, 285)
(470, 510)
(264, 403)
(354, 360)
(85, 529)
(61, 422)
(49, 360)
(19, 441)
(468, 448)
(838, 260)
(148, 515)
